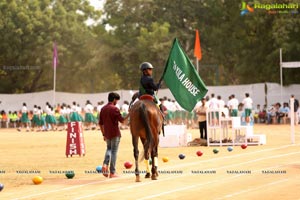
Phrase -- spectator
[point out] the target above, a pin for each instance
(256, 113)
(233, 104)
(35, 118)
(247, 102)
(262, 115)
(24, 118)
(89, 117)
(296, 106)
(201, 112)
(271, 113)
(283, 112)
(4, 119)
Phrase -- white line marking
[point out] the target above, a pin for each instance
(184, 188)
(68, 188)
(197, 185)
(177, 166)
(253, 189)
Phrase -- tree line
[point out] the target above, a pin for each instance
(105, 55)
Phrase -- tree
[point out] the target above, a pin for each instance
(28, 30)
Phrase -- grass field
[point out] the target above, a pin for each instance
(270, 171)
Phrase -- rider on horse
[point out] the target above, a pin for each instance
(147, 91)
(147, 85)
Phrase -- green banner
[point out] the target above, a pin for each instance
(182, 79)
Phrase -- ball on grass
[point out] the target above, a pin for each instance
(127, 165)
(216, 151)
(165, 159)
(70, 174)
(37, 180)
(181, 156)
(99, 168)
(199, 153)
(230, 148)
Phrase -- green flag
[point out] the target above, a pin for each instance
(182, 79)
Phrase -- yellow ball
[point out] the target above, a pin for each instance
(165, 159)
(37, 180)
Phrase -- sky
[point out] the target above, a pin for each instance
(98, 4)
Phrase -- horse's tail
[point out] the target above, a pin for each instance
(145, 120)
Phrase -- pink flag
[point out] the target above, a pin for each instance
(55, 58)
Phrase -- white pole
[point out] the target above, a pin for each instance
(54, 84)
(197, 63)
(280, 50)
(292, 114)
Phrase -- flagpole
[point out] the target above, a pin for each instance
(54, 85)
(280, 58)
(197, 50)
(197, 64)
(54, 72)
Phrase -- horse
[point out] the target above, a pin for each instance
(146, 122)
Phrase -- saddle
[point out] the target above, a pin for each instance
(143, 97)
(150, 98)
(147, 97)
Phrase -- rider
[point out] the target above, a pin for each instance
(147, 85)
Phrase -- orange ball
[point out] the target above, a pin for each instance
(165, 159)
(37, 180)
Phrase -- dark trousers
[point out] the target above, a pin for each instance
(203, 130)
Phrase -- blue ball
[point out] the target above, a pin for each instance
(99, 168)
(1, 187)
(229, 149)
(181, 156)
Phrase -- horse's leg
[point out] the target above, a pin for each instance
(135, 141)
(156, 160)
(154, 163)
(146, 155)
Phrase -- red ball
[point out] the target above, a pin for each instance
(244, 146)
(127, 165)
(199, 153)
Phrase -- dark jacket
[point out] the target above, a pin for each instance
(147, 85)
(296, 105)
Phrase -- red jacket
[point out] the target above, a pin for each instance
(110, 116)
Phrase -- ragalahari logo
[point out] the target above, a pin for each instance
(246, 8)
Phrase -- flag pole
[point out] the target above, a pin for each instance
(54, 72)
(54, 85)
(197, 50)
(197, 64)
(280, 57)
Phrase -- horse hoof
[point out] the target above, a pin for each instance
(147, 175)
(153, 177)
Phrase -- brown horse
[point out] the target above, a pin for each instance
(145, 123)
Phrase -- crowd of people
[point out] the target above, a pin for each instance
(53, 117)
(57, 117)
(275, 114)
